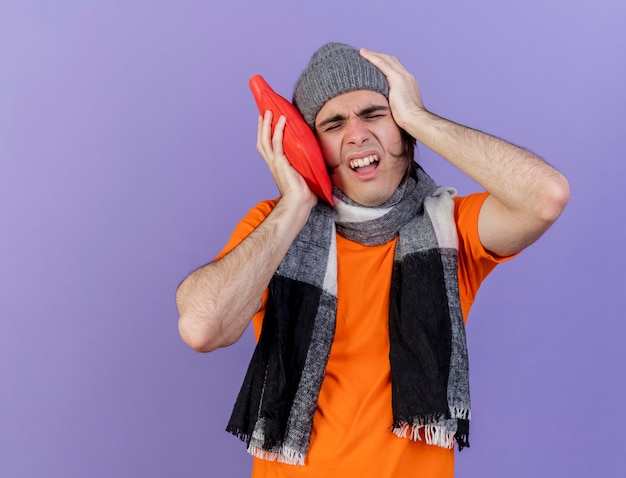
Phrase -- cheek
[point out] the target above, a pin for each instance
(331, 154)
(394, 140)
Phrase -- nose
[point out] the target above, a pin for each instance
(356, 131)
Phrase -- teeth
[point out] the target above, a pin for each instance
(359, 163)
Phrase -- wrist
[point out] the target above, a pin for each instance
(295, 208)
(419, 123)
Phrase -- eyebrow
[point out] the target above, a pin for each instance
(364, 112)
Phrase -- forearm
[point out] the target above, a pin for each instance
(526, 194)
(521, 181)
(217, 301)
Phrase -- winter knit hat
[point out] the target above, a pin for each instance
(334, 69)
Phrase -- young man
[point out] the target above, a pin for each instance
(361, 363)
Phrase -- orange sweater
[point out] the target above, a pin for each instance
(352, 426)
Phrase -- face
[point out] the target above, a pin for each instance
(362, 146)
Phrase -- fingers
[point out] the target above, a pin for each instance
(405, 98)
(259, 134)
(384, 62)
(270, 144)
(397, 75)
(277, 138)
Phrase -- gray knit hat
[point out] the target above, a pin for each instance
(334, 69)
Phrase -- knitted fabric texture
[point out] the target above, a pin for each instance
(334, 69)
(274, 411)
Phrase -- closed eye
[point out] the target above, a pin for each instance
(369, 113)
(373, 111)
(332, 127)
(331, 123)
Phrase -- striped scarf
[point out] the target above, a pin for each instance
(274, 411)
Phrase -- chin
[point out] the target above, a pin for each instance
(370, 200)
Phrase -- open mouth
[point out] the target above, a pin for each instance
(368, 162)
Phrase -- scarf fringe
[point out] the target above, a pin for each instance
(433, 429)
(423, 224)
(461, 412)
(282, 454)
(433, 434)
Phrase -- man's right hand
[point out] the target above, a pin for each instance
(291, 184)
(217, 301)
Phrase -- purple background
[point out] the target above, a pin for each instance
(127, 155)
